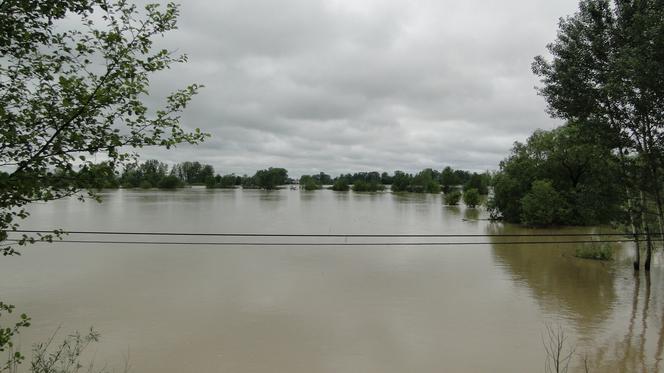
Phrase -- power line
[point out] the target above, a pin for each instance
(346, 235)
(328, 243)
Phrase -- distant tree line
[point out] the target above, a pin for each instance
(156, 174)
(425, 181)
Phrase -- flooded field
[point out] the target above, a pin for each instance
(326, 308)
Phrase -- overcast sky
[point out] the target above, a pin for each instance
(353, 85)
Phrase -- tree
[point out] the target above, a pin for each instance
(471, 198)
(364, 186)
(479, 182)
(322, 179)
(448, 179)
(607, 74)
(582, 171)
(69, 93)
(222, 182)
(401, 181)
(426, 181)
(340, 185)
(271, 178)
(170, 182)
(452, 197)
(543, 205)
(309, 183)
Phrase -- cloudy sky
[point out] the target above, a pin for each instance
(353, 85)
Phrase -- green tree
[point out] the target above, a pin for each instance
(340, 185)
(322, 179)
(72, 92)
(471, 198)
(271, 178)
(448, 179)
(426, 181)
(401, 181)
(309, 183)
(607, 74)
(543, 205)
(170, 182)
(99, 176)
(452, 197)
(479, 182)
(222, 182)
(582, 171)
(364, 186)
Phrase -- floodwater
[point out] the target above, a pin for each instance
(312, 308)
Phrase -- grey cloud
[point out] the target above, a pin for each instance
(349, 85)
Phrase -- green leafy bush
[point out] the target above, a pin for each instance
(171, 182)
(452, 198)
(543, 205)
(340, 186)
(363, 186)
(471, 197)
(595, 251)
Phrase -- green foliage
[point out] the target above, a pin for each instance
(223, 182)
(340, 186)
(452, 197)
(73, 91)
(471, 198)
(322, 179)
(270, 179)
(363, 186)
(606, 75)
(448, 179)
(543, 206)
(145, 184)
(479, 182)
(595, 251)
(170, 182)
(193, 172)
(401, 181)
(309, 183)
(425, 182)
(578, 168)
(98, 176)
(7, 334)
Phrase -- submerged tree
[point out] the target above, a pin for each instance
(607, 75)
(563, 162)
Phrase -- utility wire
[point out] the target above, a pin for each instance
(349, 235)
(327, 243)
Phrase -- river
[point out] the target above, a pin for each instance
(312, 308)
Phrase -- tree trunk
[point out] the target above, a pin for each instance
(646, 229)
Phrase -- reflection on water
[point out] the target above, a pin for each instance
(581, 290)
(471, 214)
(329, 309)
(617, 316)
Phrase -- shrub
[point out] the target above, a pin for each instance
(340, 186)
(471, 197)
(363, 186)
(542, 205)
(145, 184)
(170, 182)
(452, 198)
(595, 251)
(311, 185)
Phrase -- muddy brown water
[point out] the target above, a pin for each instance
(306, 308)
